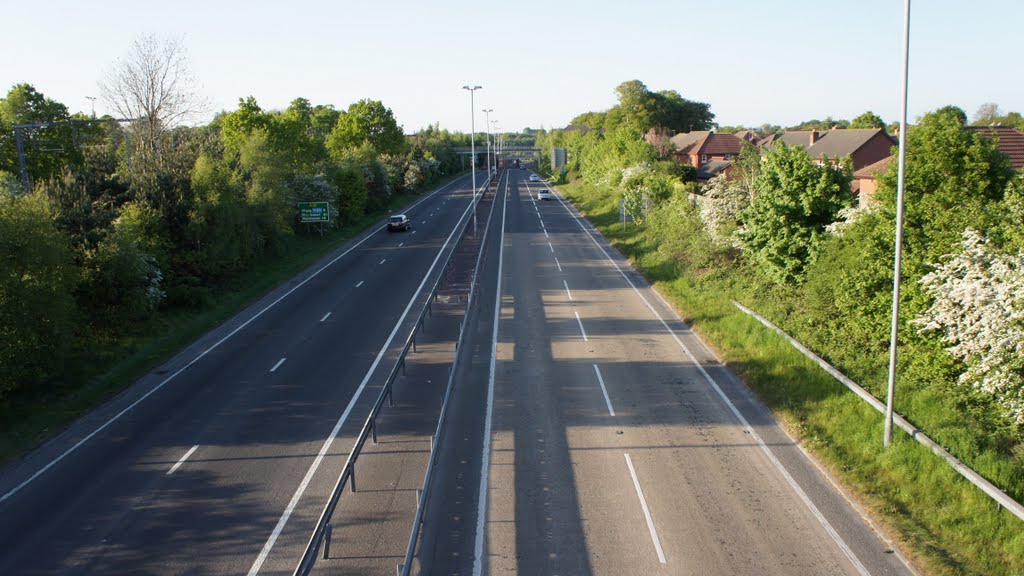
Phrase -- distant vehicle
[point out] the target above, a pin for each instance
(399, 222)
(534, 178)
(544, 194)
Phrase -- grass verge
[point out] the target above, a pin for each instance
(940, 521)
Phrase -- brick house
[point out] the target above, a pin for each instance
(865, 180)
(1009, 141)
(863, 146)
(708, 152)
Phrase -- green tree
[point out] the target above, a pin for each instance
(38, 316)
(48, 151)
(366, 122)
(795, 200)
(868, 120)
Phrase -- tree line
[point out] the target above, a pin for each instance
(126, 223)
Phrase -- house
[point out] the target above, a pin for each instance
(863, 146)
(708, 152)
(1009, 141)
(865, 180)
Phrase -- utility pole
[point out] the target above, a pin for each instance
(898, 259)
(472, 146)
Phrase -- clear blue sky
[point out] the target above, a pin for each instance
(540, 63)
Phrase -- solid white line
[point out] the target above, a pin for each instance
(258, 563)
(360, 283)
(567, 289)
(647, 512)
(117, 416)
(278, 365)
(552, 247)
(182, 461)
(383, 261)
(600, 380)
(485, 459)
(326, 316)
(580, 322)
(732, 408)
(559, 264)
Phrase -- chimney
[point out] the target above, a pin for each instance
(814, 137)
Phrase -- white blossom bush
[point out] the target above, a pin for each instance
(721, 207)
(979, 307)
(847, 216)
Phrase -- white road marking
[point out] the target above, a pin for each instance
(485, 459)
(546, 235)
(182, 461)
(360, 283)
(552, 247)
(732, 408)
(383, 261)
(400, 244)
(258, 563)
(326, 316)
(202, 354)
(600, 380)
(580, 322)
(647, 512)
(567, 289)
(278, 365)
(559, 264)
(413, 232)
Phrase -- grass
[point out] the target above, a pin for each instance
(27, 422)
(940, 521)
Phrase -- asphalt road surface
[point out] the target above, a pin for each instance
(220, 461)
(596, 434)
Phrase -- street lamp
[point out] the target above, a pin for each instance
(494, 130)
(487, 115)
(472, 145)
(898, 259)
(93, 100)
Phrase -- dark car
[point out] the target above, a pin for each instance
(399, 222)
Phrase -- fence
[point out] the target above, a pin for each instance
(973, 477)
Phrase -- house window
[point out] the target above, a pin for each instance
(703, 158)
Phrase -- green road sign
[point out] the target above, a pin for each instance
(314, 211)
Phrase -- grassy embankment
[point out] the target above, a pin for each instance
(28, 421)
(942, 522)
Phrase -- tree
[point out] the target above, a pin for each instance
(721, 208)
(153, 84)
(979, 309)
(868, 120)
(987, 113)
(38, 316)
(795, 200)
(48, 150)
(366, 122)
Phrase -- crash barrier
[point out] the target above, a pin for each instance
(1001, 498)
(322, 532)
(423, 494)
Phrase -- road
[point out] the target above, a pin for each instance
(220, 461)
(596, 434)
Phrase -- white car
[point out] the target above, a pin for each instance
(534, 178)
(544, 194)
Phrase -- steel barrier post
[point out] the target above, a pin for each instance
(373, 429)
(327, 542)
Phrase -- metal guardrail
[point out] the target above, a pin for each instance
(322, 531)
(1001, 498)
(405, 567)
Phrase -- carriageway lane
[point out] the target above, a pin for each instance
(612, 453)
(259, 423)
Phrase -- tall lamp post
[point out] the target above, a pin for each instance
(898, 260)
(494, 130)
(472, 145)
(487, 115)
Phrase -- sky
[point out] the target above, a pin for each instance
(540, 63)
